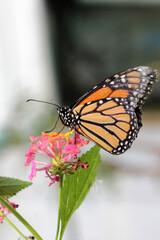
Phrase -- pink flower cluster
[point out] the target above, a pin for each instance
(5, 210)
(60, 149)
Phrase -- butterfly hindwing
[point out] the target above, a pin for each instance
(109, 124)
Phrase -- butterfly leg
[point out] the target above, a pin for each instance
(54, 126)
(75, 138)
(61, 129)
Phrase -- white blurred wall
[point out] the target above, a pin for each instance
(26, 66)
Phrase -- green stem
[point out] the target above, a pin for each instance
(21, 219)
(59, 208)
(12, 225)
(62, 231)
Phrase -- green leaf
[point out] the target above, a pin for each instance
(10, 186)
(77, 185)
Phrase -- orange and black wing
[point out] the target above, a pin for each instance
(109, 114)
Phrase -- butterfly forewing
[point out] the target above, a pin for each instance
(109, 114)
(137, 81)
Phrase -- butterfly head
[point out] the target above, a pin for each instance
(67, 116)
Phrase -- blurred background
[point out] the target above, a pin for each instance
(58, 50)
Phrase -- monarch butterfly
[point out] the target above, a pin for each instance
(110, 113)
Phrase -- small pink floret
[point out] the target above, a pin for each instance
(5, 210)
(58, 147)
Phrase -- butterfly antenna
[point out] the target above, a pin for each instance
(35, 100)
(52, 100)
